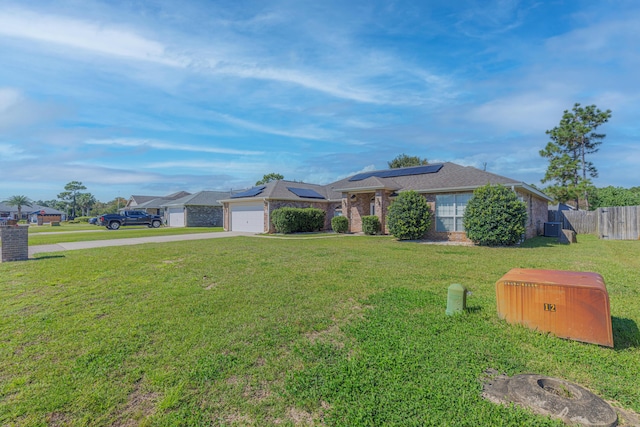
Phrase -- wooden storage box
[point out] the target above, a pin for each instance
(568, 304)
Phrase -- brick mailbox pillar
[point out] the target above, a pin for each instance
(15, 243)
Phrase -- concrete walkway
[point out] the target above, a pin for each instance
(72, 246)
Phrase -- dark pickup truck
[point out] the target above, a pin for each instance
(115, 221)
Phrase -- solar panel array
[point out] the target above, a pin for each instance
(391, 173)
(305, 192)
(249, 193)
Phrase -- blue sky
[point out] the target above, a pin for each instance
(135, 97)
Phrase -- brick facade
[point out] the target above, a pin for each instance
(15, 243)
(203, 216)
(355, 206)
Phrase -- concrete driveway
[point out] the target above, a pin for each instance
(72, 246)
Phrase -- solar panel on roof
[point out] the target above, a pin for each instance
(249, 193)
(305, 192)
(391, 173)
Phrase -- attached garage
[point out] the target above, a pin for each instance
(247, 217)
(175, 217)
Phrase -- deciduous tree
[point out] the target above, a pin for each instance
(403, 161)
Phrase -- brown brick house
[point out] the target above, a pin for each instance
(446, 186)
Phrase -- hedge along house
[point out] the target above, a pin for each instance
(251, 210)
(446, 186)
(201, 209)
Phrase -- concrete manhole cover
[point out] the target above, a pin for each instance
(551, 396)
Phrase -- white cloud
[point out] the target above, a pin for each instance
(86, 35)
(169, 146)
(12, 153)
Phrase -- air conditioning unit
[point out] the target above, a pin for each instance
(552, 229)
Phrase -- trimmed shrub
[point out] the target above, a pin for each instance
(296, 220)
(81, 219)
(409, 216)
(340, 224)
(370, 224)
(494, 216)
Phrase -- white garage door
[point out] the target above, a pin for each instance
(176, 217)
(247, 218)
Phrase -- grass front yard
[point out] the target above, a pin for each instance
(254, 331)
(72, 234)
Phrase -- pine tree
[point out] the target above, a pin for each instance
(571, 141)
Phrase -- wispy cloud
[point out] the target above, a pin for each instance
(312, 132)
(170, 146)
(200, 164)
(86, 35)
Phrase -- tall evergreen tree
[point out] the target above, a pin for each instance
(270, 177)
(571, 141)
(71, 194)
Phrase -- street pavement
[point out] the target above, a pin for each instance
(73, 246)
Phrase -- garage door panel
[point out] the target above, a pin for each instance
(249, 218)
(176, 217)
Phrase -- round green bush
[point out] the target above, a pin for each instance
(370, 225)
(340, 224)
(409, 216)
(495, 217)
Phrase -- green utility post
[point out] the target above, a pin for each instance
(456, 299)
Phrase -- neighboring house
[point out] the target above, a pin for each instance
(152, 204)
(195, 210)
(251, 210)
(31, 213)
(8, 212)
(43, 215)
(446, 186)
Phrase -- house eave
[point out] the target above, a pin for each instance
(272, 199)
(522, 185)
(365, 189)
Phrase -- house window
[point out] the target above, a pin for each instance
(450, 210)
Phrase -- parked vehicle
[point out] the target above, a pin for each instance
(93, 220)
(115, 221)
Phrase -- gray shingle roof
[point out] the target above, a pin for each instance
(451, 177)
(202, 198)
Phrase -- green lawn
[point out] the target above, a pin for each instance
(63, 227)
(80, 234)
(256, 331)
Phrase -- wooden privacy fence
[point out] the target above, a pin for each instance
(615, 223)
(619, 223)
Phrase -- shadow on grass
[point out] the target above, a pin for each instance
(625, 333)
(541, 242)
(46, 257)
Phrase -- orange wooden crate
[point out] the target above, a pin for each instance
(568, 304)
